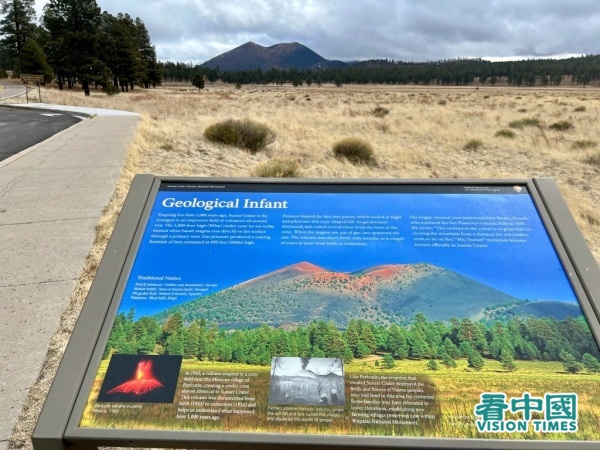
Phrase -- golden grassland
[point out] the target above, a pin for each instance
(425, 134)
(428, 133)
(456, 392)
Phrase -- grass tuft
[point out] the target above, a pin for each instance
(380, 111)
(473, 144)
(505, 133)
(247, 134)
(561, 125)
(525, 122)
(593, 159)
(278, 168)
(355, 150)
(584, 144)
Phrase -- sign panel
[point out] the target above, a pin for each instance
(424, 311)
(27, 78)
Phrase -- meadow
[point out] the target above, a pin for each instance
(416, 132)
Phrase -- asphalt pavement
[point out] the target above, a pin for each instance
(22, 128)
(51, 198)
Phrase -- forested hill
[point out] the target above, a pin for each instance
(392, 293)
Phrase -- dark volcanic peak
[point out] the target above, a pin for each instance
(251, 56)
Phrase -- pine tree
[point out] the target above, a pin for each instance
(506, 359)
(397, 342)
(590, 363)
(16, 28)
(34, 61)
(388, 361)
(73, 41)
(198, 80)
(476, 361)
(432, 365)
(192, 339)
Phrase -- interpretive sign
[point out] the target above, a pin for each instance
(321, 313)
(28, 78)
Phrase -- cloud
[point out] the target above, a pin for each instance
(198, 30)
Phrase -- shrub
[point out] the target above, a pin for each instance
(525, 122)
(510, 134)
(584, 144)
(380, 111)
(355, 150)
(522, 110)
(278, 168)
(562, 125)
(245, 133)
(443, 102)
(593, 159)
(473, 144)
(579, 109)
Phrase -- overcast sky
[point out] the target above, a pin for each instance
(407, 30)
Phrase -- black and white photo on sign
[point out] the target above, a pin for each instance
(307, 381)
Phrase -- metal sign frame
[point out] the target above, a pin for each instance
(57, 425)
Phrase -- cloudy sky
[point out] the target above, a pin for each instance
(407, 30)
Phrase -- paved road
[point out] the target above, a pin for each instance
(22, 128)
(9, 89)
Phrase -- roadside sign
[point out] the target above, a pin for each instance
(28, 78)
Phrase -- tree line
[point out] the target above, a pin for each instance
(76, 43)
(460, 72)
(569, 341)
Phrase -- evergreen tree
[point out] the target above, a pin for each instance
(506, 359)
(476, 361)
(17, 26)
(388, 361)
(73, 40)
(198, 80)
(570, 364)
(432, 365)
(449, 362)
(175, 344)
(590, 363)
(397, 342)
(34, 61)
(192, 340)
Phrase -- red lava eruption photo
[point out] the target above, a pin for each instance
(143, 381)
(141, 378)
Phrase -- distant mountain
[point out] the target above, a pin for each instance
(251, 56)
(303, 292)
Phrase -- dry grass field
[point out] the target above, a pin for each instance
(429, 132)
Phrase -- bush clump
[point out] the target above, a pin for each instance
(278, 168)
(380, 111)
(593, 159)
(525, 122)
(562, 125)
(246, 134)
(510, 134)
(579, 109)
(584, 144)
(473, 144)
(355, 150)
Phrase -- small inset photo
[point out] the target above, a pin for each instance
(307, 381)
(141, 379)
